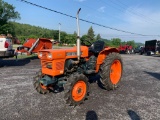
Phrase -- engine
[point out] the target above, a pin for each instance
(86, 67)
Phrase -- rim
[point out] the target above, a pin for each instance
(43, 87)
(79, 91)
(115, 72)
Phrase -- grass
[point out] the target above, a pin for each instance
(15, 46)
(25, 56)
(55, 47)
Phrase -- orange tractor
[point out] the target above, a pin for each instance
(70, 69)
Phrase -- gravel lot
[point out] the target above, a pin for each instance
(137, 98)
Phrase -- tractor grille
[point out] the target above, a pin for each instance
(46, 64)
(59, 65)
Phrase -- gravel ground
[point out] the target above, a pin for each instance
(137, 98)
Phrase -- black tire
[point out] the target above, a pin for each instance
(141, 53)
(37, 85)
(70, 88)
(105, 71)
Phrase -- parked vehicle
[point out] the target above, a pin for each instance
(139, 50)
(33, 45)
(128, 49)
(152, 47)
(70, 69)
(6, 47)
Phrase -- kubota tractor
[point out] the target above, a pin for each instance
(70, 69)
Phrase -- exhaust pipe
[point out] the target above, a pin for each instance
(78, 36)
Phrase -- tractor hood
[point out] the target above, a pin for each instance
(51, 54)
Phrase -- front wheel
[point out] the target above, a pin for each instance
(111, 71)
(39, 86)
(76, 89)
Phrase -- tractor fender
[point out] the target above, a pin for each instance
(103, 54)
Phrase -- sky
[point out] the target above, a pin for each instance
(136, 16)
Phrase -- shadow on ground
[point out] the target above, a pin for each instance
(156, 55)
(156, 75)
(91, 115)
(96, 79)
(14, 62)
(133, 115)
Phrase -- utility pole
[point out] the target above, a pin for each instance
(59, 33)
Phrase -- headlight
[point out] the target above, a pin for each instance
(40, 54)
(49, 55)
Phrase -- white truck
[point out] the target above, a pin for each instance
(6, 47)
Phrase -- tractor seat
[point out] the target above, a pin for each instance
(97, 47)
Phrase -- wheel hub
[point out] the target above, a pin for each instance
(79, 91)
(115, 72)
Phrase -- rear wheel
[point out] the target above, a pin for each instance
(111, 71)
(76, 89)
(39, 86)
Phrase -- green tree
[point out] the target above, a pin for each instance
(116, 42)
(70, 39)
(98, 37)
(108, 43)
(132, 43)
(7, 28)
(63, 35)
(123, 43)
(75, 36)
(56, 35)
(91, 35)
(7, 12)
(84, 40)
